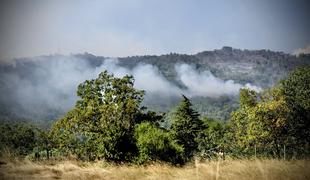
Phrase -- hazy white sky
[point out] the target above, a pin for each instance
(138, 27)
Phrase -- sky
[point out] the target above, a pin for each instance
(115, 28)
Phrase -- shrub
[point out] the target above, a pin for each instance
(155, 144)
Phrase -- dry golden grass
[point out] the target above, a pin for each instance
(230, 169)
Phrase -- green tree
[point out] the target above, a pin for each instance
(239, 122)
(186, 127)
(296, 92)
(213, 138)
(102, 123)
(268, 123)
(262, 126)
(296, 89)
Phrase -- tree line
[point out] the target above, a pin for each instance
(109, 123)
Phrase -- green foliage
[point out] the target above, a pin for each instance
(296, 92)
(156, 144)
(216, 108)
(261, 125)
(296, 89)
(186, 127)
(275, 118)
(248, 98)
(108, 123)
(267, 128)
(23, 139)
(102, 123)
(213, 139)
(18, 137)
(240, 121)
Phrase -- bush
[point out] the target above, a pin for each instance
(19, 138)
(155, 144)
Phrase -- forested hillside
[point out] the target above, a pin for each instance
(259, 67)
(108, 123)
(43, 88)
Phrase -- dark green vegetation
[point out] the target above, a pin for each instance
(262, 68)
(108, 122)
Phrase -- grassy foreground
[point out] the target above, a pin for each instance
(229, 169)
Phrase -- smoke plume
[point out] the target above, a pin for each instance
(46, 84)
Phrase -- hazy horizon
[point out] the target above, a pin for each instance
(127, 28)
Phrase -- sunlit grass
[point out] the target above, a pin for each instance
(229, 169)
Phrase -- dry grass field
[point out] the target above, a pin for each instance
(229, 169)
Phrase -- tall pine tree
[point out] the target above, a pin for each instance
(186, 127)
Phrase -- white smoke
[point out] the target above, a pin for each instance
(206, 84)
(300, 51)
(149, 78)
(52, 82)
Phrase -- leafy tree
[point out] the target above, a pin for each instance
(102, 123)
(296, 89)
(156, 144)
(213, 138)
(186, 127)
(268, 123)
(239, 122)
(296, 92)
(260, 124)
